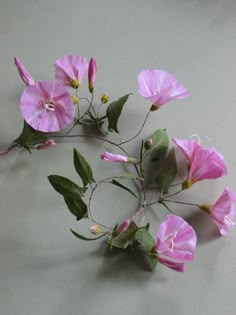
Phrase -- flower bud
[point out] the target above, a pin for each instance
(25, 76)
(123, 226)
(75, 99)
(148, 144)
(46, 145)
(105, 98)
(95, 229)
(92, 71)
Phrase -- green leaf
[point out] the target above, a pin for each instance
(77, 207)
(66, 187)
(151, 261)
(159, 147)
(116, 183)
(126, 238)
(113, 112)
(30, 136)
(129, 176)
(168, 170)
(144, 239)
(142, 150)
(81, 237)
(83, 168)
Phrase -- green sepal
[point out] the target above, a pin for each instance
(116, 183)
(77, 207)
(84, 238)
(113, 112)
(83, 168)
(66, 187)
(168, 171)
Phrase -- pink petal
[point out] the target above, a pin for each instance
(70, 67)
(107, 156)
(25, 75)
(175, 265)
(33, 105)
(187, 147)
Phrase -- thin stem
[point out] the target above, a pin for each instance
(92, 136)
(183, 203)
(144, 122)
(176, 193)
(11, 147)
(165, 205)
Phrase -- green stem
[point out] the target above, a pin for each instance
(183, 203)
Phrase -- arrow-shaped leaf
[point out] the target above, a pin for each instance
(83, 168)
(77, 207)
(113, 112)
(65, 186)
(81, 237)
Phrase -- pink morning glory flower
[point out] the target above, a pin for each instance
(160, 87)
(70, 70)
(204, 163)
(107, 156)
(25, 76)
(123, 226)
(222, 211)
(176, 243)
(47, 106)
(92, 71)
(46, 145)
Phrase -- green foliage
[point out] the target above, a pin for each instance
(83, 168)
(159, 146)
(77, 207)
(124, 239)
(66, 187)
(30, 136)
(116, 183)
(129, 176)
(113, 112)
(144, 239)
(81, 237)
(168, 170)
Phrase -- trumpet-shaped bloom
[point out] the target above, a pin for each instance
(92, 71)
(70, 70)
(223, 212)
(107, 156)
(204, 163)
(176, 243)
(160, 87)
(47, 106)
(25, 75)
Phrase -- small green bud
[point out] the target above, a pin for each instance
(154, 107)
(148, 144)
(91, 88)
(104, 98)
(95, 229)
(75, 84)
(75, 99)
(206, 208)
(187, 184)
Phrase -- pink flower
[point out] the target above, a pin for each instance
(70, 70)
(46, 145)
(222, 211)
(204, 163)
(176, 242)
(160, 87)
(123, 226)
(107, 156)
(25, 76)
(92, 71)
(47, 106)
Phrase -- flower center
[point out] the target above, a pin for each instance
(49, 105)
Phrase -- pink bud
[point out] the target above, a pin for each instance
(95, 229)
(47, 144)
(92, 71)
(123, 226)
(25, 76)
(107, 156)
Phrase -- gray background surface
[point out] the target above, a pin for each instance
(43, 268)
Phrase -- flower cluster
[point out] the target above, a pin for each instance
(50, 106)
